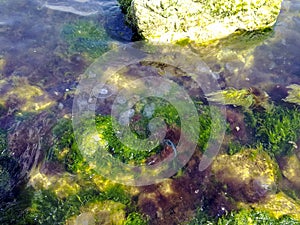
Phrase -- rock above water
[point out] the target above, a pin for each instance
(198, 20)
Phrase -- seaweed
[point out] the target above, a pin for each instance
(247, 98)
(209, 129)
(86, 37)
(135, 218)
(241, 217)
(46, 208)
(293, 94)
(125, 5)
(255, 217)
(3, 141)
(276, 130)
(116, 147)
(15, 212)
(65, 148)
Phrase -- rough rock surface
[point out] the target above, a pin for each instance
(249, 175)
(291, 170)
(198, 20)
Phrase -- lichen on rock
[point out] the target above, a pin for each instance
(199, 21)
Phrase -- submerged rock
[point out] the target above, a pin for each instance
(293, 94)
(17, 94)
(251, 97)
(291, 170)
(249, 175)
(279, 205)
(199, 21)
(107, 212)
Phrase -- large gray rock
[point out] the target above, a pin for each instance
(198, 20)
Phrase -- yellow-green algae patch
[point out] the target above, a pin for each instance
(278, 205)
(32, 98)
(291, 170)
(246, 98)
(247, 168)
(104, 213)
(293, 94)
(2, 63)
(63, 185)
(247, 164)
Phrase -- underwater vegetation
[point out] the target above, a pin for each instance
(208, 129)
(136, 219)
(293, 94)
(276, 130)
(116, 147)
(64, 190)
(251, 97)
(3, 141)
(86, 37)
(140, 125)
(245, 216)
(64, 148)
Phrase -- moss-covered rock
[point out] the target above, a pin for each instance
(104, 213)
(293, 94)
(18, 94)
(251, 97)
(279, 205)
(63, 185)
(241, 217)
(86, 37)
(2, 63)
(200, 21)
(248, 175)
(254, 217)
(291, 170)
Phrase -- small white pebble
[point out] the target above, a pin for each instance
(60, 106)
(237, 128)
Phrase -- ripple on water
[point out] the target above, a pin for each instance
(80, 7)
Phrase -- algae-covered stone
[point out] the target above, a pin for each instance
(63, 185)
(291, 170)
(200, 21)
(279, 205)
(293, 94)
(27, 97)
(248, 175)
(2, 63)
(251, 97)
(105, 213)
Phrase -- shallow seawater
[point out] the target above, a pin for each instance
(52, 175)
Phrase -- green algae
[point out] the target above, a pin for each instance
(136, 219)
(57, 197)
(276, 130)
(3, 141)
(241, 217)
(65, 149)
(86, 37)
(293, 94)
(246, 98)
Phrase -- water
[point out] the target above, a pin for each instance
(45, 46)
